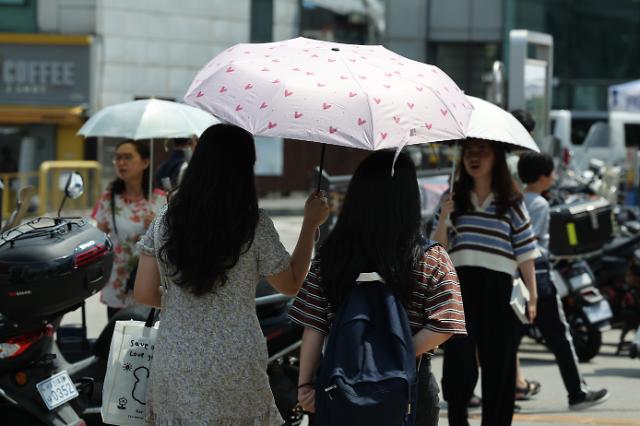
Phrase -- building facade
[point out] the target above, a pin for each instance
(63, 60)
(595, 42)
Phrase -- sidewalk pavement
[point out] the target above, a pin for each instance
(621, 375)
(284, 206)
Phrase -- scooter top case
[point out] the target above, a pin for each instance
(48, 266)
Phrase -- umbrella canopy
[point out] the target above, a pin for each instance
(489, 121)
(349, 95)
(148, 119)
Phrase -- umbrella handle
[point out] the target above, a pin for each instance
(453, 166)
(324, 147)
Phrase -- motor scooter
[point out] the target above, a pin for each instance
(587, 312)
(52, 374)
(284, 339)
(48, 267)
(617, 274)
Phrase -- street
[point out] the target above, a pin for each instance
(619, 374)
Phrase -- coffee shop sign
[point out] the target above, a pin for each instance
(44, 74)
(23, 76)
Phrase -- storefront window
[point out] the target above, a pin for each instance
(22, 150)
(593, 45)
(261, 21)
(322, 23)
(18, 16)
(465, 63)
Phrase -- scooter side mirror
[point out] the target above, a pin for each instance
(74, 187)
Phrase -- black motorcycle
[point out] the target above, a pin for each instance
(617, 274)
(587, 312)
(52, 374)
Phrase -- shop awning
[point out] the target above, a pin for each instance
(374, 9)
(24, 114)
(625, 97)
(341, 7)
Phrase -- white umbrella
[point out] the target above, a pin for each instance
(490, 122)
(148, 119)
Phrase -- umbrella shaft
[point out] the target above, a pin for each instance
(324, 146)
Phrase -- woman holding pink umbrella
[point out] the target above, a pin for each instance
(209, 248)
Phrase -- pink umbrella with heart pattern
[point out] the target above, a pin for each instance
(356, 96)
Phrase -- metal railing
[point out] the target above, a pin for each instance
(12, 183)
(51, 182)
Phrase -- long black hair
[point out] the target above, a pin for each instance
(117, 186)
(378, 228)
(502, 183)
(212, 216)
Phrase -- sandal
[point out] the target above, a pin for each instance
(532, 388)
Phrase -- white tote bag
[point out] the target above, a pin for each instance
(519, 298)
(128, 369)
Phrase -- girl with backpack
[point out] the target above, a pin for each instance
(379, 230)
(486, 227)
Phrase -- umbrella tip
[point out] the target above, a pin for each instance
(335, 49)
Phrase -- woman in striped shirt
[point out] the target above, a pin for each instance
(491, 237)
(379, 230)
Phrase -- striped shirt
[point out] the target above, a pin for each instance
(481, 238)
(435, 302)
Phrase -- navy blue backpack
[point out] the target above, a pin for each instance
(368, 372)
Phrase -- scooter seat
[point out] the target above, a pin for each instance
(622, 246)
(272, 309)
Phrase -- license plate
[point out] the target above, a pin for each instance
(598, 312)
(57, 389)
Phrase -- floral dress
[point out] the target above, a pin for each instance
(130, 222)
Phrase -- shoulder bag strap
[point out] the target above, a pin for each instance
(113, 212)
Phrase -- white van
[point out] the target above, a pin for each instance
(601, 135)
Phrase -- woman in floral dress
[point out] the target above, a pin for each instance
(127, 200)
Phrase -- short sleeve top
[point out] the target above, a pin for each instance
(271, 255)
(482, 238)
(435, 303)
(130, 224)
